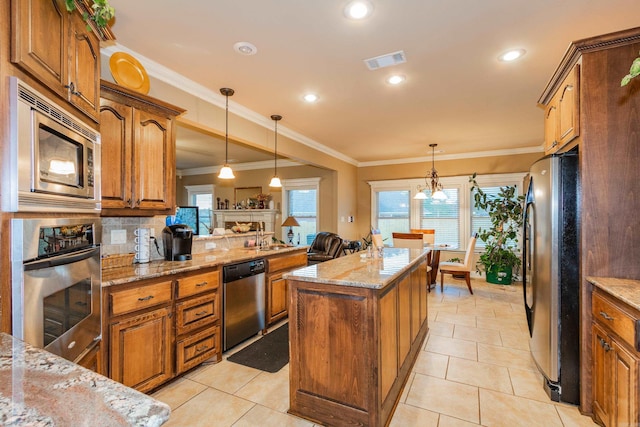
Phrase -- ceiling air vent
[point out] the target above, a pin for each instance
(387, 60)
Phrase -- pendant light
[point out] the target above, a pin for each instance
(275, 181)
(434, 185)
(226, 172)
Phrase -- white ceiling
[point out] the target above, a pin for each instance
(457, 94)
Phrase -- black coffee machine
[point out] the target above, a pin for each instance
(177, 240)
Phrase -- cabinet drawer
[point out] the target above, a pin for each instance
(196, 312)
(198, 283)
(614, 317)
(139, 298)
(197, 348)
(287, 261)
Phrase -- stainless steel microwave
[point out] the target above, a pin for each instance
(52, 160)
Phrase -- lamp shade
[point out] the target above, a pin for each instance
(226, 173)
(275, 182)
(290, 222)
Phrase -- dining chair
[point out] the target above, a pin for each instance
(448, 267)
(428, 235)
(408, 240)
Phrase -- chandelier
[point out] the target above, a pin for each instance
(431, 181)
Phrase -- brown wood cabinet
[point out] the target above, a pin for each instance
(92, 360)
(352, 347)
(562, 113)
(56, 48)
(615, 361)
(277, 291)
(138, 153)
(156, 329)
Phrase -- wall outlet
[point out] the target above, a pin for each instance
(210, 245)
(118, 237)
(350, 219)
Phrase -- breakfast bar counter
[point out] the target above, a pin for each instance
(38, 388)
(356, 327)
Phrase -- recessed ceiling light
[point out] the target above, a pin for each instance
(396, 79)
(512, 55)
(245, 48)
(358, 9)
(310, 97)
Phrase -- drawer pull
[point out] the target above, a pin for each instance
(147, 298)
(201, 349)
(604, 344)
(605, 315)
(199, 285)
(202, 313)
(81, 303)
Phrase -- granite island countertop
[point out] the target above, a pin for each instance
(153, 269)
(38, 388)
(626, 290)
(359, 270)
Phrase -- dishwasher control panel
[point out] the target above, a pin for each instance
(240, 270)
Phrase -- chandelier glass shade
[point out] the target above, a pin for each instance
(431, 182)
(275, 181)
(225, 171)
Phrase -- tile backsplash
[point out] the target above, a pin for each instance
(129, 224)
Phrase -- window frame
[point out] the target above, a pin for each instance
(299, 184)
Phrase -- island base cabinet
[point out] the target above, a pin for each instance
(141, 349)
(352, 348)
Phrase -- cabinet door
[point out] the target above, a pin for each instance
(84, 68)
(93, 360)
(601, 374)
(277, 301)
(39, 41)
(142, 348)
(418, 282)
(624, 392)
(404, 319)
(569, 107)
(551, 127)
(388, 341)
(116, 133)
(153, 161)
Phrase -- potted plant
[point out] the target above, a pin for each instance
(505, 211)
(102, 11)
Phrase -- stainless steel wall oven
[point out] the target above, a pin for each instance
(56, 284)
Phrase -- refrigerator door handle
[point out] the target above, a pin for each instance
(527, 279)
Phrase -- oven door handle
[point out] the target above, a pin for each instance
(62, 259)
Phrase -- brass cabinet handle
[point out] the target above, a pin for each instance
(147, 298)
(72, 89)
(604, 344)
(205, 283)
(201, 349)
(605, 315)
(201, 313)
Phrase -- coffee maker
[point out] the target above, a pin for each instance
(177, 240)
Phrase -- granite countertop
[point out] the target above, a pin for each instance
(38, 388)
(357, 270)
(153, 269)
(626, 290)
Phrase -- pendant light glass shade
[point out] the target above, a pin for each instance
(275, 181)
(226, 172)
(431, 182)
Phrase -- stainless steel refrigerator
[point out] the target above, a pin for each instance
(551, 278)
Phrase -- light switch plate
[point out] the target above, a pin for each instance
(118, 237)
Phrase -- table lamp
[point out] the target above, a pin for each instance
(290, 222)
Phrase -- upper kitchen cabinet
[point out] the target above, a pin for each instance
(562, 113)
(138, 153)
(58, 50)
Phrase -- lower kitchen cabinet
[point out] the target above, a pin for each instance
(141, 353)
(615, 362)
(277, 290)
(158, 329)
(92, 360)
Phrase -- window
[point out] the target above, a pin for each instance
(479, 217)
(454, 219)
(444, 217)
(202, 197)
(392, 209)
(300, 200)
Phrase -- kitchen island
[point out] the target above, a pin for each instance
(39, 388)
(356, 327)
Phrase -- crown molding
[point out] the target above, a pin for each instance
(458, 156)
(178, 81)
(267, 164)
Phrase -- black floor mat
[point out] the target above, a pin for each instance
(270, 353)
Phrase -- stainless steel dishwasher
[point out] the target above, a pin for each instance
(243, 301)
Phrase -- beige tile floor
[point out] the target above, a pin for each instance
(474, 369)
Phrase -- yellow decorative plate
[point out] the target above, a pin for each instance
(128, 72)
